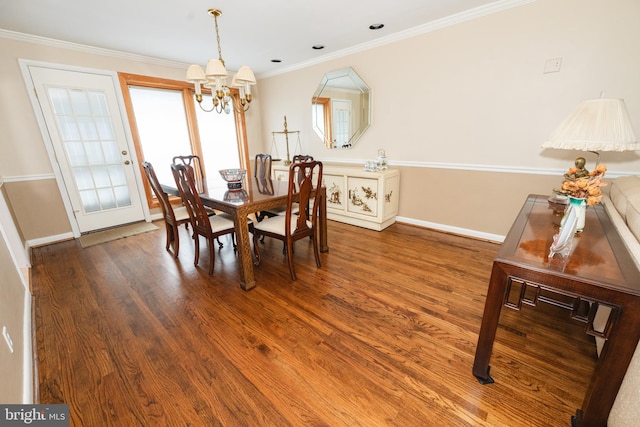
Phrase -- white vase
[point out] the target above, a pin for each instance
(580, 206)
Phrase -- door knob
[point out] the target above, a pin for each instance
(124, 152)
(127, 162)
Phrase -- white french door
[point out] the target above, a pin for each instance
(87, 134)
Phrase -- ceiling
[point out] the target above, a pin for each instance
(252, 32)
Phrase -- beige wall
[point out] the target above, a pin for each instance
(463, 110)
(12, 315)
(37, 219)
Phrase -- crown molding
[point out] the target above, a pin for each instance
(30, 38)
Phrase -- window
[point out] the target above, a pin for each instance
(322, 120)
(166, 122)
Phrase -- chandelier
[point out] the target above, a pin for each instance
(215, 78)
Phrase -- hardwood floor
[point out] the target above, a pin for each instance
(383, 334)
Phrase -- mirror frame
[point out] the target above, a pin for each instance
(343, 79)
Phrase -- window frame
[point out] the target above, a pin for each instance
(188, 93)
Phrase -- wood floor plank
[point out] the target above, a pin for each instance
(384, 334)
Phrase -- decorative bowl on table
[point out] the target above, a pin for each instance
(233, 177)
(237, 196)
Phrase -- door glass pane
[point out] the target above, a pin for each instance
(111, 154)
(79, 102)
(94, 152)
(80, 114)
(104, 128)
(116, 173)
(83, 178)
(75, 152)
(68, 128)
(122, 195)
(60, 102)
(98, 104)
(107, 198)
(100, 176)
(90, 201)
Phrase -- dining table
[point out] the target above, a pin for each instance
(256, 194)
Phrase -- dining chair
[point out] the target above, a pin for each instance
(209, 227)
(297, 158)
(201, 181)
(263, 166)
(173, 218)
(304, 177)
(262, 174)
(196, 163)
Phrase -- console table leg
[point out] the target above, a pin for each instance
(490, 317)
(611, 368)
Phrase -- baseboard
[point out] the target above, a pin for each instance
(453, 230)
(43, 241)
(426, 224)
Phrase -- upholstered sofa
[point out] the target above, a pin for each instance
(622, 203)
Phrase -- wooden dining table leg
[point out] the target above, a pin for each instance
(245, 256)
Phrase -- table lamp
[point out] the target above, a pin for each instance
(596, 125)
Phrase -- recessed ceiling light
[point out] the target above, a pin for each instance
(276, 60)
(376, 26)
(318, 47)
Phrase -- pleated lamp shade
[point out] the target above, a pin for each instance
(596, 125)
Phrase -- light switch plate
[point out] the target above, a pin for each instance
(552, 65)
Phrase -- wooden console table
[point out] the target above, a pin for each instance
(599, 272)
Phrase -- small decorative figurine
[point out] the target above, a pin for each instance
(381, 160)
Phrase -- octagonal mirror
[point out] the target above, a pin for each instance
(341, 108)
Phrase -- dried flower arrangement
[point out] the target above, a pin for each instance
(582, 185)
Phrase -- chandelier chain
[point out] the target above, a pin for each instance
(215, 19)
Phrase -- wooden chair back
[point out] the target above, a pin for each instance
(303, 178)
(186, 183)
(263, 166)
(262, 173)
(171, 221)
(196, 163)
(299, 158)
(302, 158)
(163, 198)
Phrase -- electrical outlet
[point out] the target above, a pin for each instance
(552, 65)
(7, 338)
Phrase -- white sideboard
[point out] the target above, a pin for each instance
(357, 197)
